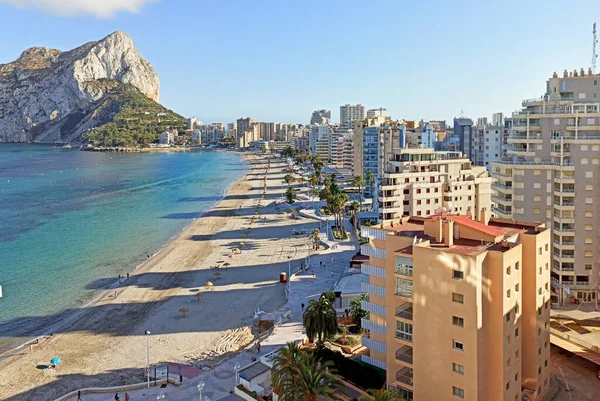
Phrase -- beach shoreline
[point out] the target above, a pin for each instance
(99, 295)
(105, 342)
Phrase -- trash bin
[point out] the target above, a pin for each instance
(282, 277)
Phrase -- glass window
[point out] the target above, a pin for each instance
(458, 345)
(457, 275)
(456, 368)
(458, 392)
(458, 321)
(404, 287)
(458, 298)
(404, 331)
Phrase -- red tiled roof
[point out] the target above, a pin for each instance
(474, 224)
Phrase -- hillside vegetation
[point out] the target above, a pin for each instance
(128, 118)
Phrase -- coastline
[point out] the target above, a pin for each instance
(105, 341)
(138, 268)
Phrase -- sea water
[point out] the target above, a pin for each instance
(71, 222)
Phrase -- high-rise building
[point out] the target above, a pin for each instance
(319, 139)
(551, 174)
(420, 182)
(244, 124)
(191, 123)
(267, 131)
(489, 144)
(377, 141)
(498, 119)
(380, 112)
(463, 130)
(321, 117)
(211, 133)
(459, 308)
(482, 121)
(350, 113)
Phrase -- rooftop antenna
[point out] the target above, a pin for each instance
(594, 55)
(462, 110)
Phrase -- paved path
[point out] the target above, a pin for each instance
(303, 287)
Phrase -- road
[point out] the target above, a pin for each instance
(580, 375)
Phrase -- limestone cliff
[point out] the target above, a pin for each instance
(51, 96)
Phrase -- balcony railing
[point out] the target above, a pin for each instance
(564, 203)
(373, 308)
(405, 311)
(372, 251)
(372, 289)
(374, 362)
(405, 354)
(405, 376)
(501, 187)
(373, 233)
(372, 270)
(369, 325)
(374, 345)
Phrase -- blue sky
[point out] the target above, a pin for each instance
(280, 60)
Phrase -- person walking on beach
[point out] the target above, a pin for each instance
(115, 294)
(302, 306)
(127, 275)
(313, 274)
(117, 397)
(127, 397)
(79, 396)
(258, 347)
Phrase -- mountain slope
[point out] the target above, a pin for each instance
(52, 96)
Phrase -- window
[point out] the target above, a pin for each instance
(456, 368)
(537, 198)
(589, 174)
(539, 331)
(539, 371)
(546, 247)
(517, 287)
(508, 317)
(589, 201)
(517, 266)
(546, 363)
(517, 354)
(508, 339)
(589, 187)
(516, 377)
(458, 345)
(507, 386)
(457, 275)
(584, 160)
(404, 331)
(458, 298)
(458, 321)
(540, 250)
(537, 210)
(588, 267)
(508, 293)
(589, 227)
(458, 392)
(516, 332)
(540, 351)
(508, 270)
(508, 363)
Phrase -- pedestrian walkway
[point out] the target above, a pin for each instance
(327, 266)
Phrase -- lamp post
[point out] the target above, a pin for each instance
(289, 267)
(148, 356)
(200, 388)
(237, 374)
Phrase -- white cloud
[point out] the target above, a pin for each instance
(98, 8)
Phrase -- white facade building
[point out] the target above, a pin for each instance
(350, 113)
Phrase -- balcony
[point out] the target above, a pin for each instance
(405, 311)
(373, 308)
(555, 282)
(372, 251)
(374, 362)
(374, 345)
(502, 212)
(405, 376)
(568, 179)
(502, 174)
(372, 289)
(372, 270)
(502, 188)
(502, 199)
(565, 204)
(373, 233)
(581, 284)
(405, 354)
(372, 326)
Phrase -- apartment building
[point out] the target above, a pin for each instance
(550, 174)
(377, 141)
(489, 144)
(321, 117)
(419, 182)
(463, 130)
(459, 308)
(350, 113)
(341, 150)
(379, 112)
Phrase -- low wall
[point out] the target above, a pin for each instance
(100, 390)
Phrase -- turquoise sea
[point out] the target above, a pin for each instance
(69, 218)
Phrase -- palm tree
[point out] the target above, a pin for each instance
(359, 182)
(288, 178)
(371, 181)
(315, 379)
(284, 365)
(381, 395)
(354, 207)
(313, 179)
(320, 320)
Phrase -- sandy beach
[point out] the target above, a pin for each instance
(105, 344)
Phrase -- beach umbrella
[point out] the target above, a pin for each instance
(183, 310)
(208, 284)
(54, 361)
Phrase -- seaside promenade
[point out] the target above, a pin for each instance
(219, 381)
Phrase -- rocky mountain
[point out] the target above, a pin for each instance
(49, 96)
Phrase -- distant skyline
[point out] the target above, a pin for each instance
(280, 61)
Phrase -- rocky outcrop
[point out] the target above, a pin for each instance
(48, 95)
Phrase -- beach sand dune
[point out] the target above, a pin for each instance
(104, 344)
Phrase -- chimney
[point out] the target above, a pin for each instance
(448, 232)
(484, 216)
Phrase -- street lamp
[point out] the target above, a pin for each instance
(148, 356)
(289, 267)
(200, 387)
(237, 374)
(160, 396)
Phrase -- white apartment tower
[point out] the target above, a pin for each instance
(350, 113)
(550, 174)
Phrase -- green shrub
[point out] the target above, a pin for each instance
(355, 371)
